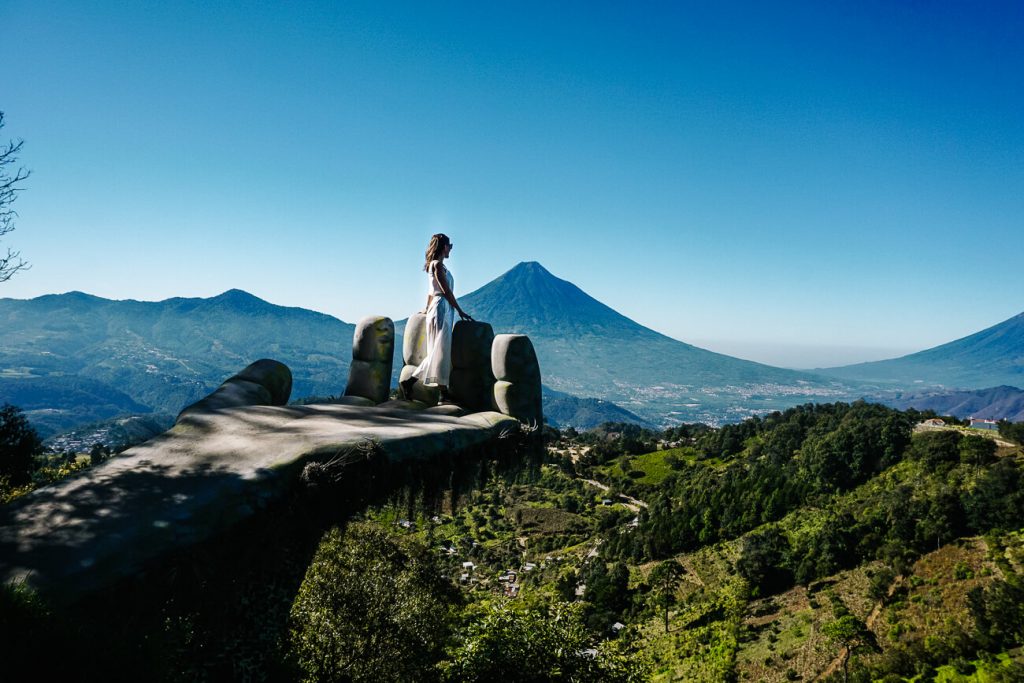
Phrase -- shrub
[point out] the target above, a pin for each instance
(549, 643)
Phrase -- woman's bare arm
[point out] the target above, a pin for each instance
(440, 275)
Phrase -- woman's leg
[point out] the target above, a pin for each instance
(407, 387)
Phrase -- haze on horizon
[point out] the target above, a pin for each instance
(800, 181)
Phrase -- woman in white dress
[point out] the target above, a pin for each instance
(441, 309)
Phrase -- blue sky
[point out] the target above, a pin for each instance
(797, 183)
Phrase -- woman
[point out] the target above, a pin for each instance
(441, 309)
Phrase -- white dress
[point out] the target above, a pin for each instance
(437, 365)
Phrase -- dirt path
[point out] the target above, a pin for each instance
(631, 503)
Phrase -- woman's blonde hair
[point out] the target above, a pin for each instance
(437, 244)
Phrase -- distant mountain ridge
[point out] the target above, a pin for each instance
(162, 355)
(563, 410)
(76, 358)
(994, 403)
(990, 358)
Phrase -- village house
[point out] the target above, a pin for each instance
(980, 423)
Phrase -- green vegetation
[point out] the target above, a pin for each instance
(512, 642)
(825, 542)
(851, 634)
(371, 607)
(824, 518)
(380, 600)
(1013, 431)
(650, 469)
(664, 580)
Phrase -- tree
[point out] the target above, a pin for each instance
(851, 634)
(762, 561)
(1014, 431)
(665, 580)
(9, 180)
(371, 607)
(938, 451)
(607, 593)
(977, 450)
(19, 444)
(99, 454)
(998, 612)
(997, 501)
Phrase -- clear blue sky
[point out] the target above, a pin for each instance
(797, 183)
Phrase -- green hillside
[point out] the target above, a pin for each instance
(905, 545)
(55, 403)
(787, 525)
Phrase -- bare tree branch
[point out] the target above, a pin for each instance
(9, 190)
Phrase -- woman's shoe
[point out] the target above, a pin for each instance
(407, 388)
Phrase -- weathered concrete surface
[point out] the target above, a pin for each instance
(517, 389)
(472, 383)
(210, 471)
(265, 382)
(373, 352)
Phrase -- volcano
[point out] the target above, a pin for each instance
(588, 349)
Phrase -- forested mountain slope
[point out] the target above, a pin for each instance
(824, 517)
